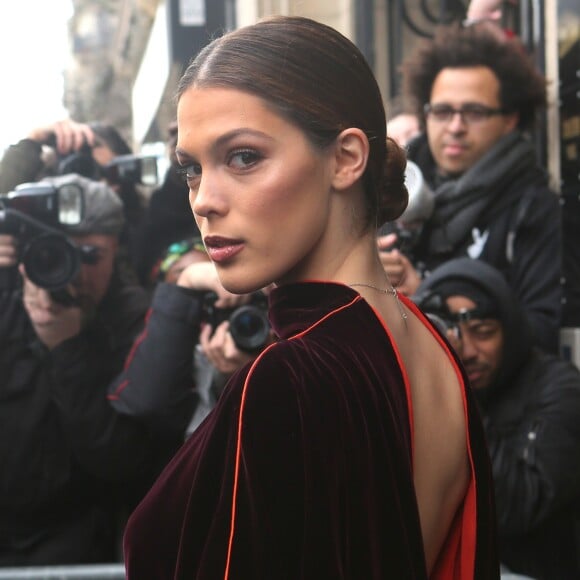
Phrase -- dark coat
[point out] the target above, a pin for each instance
(65, 454)
(157, 384)
(533, 432)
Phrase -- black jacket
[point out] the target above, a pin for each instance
(157, 382)
(531, 416)
(64, 451)
(533, 433)
(524, 241)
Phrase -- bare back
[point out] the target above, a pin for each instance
(440, 455)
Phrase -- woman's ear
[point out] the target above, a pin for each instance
(352, 153)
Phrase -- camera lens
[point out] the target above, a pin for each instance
(51, 261)
(249, 327)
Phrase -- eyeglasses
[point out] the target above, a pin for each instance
(470, 114)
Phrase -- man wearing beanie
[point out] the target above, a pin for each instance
(65, 453)
(530, 403)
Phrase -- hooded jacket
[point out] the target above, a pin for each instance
(530, 414)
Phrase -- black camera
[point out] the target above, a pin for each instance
(80, 162)
(434, 306)
(135, 169)
(123, 169)
(249, 324)
(32, 213)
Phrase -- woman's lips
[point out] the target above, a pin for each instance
(222, 249)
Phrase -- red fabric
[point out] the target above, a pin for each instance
(303, 469)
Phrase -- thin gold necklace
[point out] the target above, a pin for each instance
(390, 290)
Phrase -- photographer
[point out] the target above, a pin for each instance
(93, 150)
(188, 349)
(68, 459)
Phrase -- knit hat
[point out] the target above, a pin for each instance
(103, 208)
(486, 304)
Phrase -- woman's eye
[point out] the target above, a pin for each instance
(190, 172)
(243, 159)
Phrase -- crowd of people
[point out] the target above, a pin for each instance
(487, 259)
(126, 395)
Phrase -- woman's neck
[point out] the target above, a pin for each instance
(362, 264)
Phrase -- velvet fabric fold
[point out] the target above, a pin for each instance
(304, 468)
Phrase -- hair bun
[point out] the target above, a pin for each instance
(393, 195)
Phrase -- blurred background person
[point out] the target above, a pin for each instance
(71, 465)
(476, 93)
(197, 335)
(88, 149)
(167, 219)
(530, 404)
(402, 122)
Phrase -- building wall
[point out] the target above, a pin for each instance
(338, 14)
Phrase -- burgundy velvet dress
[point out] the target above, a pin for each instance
(304, 468)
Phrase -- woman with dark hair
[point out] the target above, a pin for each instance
(350, 447)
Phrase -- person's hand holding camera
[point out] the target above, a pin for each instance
(217, 343)
(69, 136)
(52, 322)
(402, 274)
(221, 350)
(8, 253)
(203, 276)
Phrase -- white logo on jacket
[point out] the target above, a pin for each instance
(479, 241)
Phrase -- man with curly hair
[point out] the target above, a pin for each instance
(477, 94)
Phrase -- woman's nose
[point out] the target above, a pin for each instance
(207, 199)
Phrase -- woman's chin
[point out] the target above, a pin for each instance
(240, 286)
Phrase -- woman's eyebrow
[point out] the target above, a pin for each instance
(225, 138)
(183, 156)
(240, 131)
